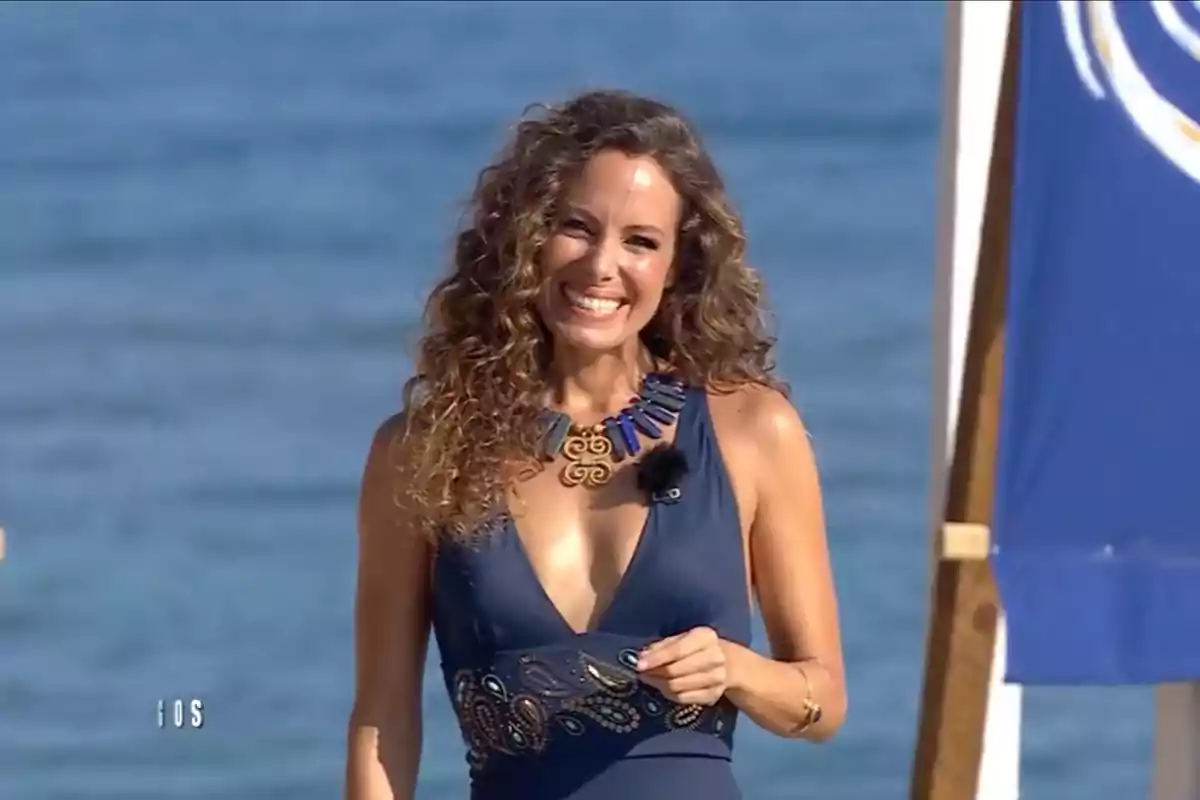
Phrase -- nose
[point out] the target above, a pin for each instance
(605, 258)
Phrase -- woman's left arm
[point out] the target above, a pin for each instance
(790, 565)
(801, 690)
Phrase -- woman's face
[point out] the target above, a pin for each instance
(611, 256)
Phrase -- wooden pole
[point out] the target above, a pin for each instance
(1177, 742)
(962, 631)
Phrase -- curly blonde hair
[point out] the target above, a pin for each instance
(481, 370)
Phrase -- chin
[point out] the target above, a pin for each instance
(592, 340)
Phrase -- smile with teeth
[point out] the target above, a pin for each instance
(598, 306)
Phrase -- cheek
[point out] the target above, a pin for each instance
(561, 251)
(651, 277)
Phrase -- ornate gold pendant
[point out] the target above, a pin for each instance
(589, 458)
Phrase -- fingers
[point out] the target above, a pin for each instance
(698, 662)
(702, 689)
(674, 648)
(707, 697)
(692, 682)
(688, 668)
(661, 652)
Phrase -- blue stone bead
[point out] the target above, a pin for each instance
(662, 398)
(612, 430)
(556, 435)
(656, 412)
(644, 423)
(629, 434)
(666, 384)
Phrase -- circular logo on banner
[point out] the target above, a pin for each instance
(1120, 77)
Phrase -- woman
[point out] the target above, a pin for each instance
(595, 472)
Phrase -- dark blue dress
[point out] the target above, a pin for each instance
(549, 714)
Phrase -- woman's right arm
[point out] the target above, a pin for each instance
(391, 633)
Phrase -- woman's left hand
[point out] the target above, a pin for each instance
(690, 668)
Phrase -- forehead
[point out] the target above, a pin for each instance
(615, 184)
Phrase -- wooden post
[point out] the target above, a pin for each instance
(962, 631)
(1177, 742)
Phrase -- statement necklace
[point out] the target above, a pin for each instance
(592, 451)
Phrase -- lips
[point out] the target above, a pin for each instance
(592, 302)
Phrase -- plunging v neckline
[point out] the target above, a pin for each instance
(601, 617)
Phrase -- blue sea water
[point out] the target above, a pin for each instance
(216, 224)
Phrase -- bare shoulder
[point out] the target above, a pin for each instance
(380, 502)
(758, 418)
(389, 435)
(764, 444)
(387, 443)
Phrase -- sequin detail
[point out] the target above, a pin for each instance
(537, 699)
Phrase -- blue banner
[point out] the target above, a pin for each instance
(1097, 516)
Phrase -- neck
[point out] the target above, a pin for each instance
(591, 386)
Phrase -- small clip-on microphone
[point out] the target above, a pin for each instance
(660, 474)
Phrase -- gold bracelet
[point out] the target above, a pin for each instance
(812, 709)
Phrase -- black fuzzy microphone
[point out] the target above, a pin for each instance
(660, 473)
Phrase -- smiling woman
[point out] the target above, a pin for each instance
(594, 473)
(622, 202)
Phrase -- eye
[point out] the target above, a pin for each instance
(643, 242)
(575, 225)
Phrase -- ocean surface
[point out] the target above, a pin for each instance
(217, 222)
